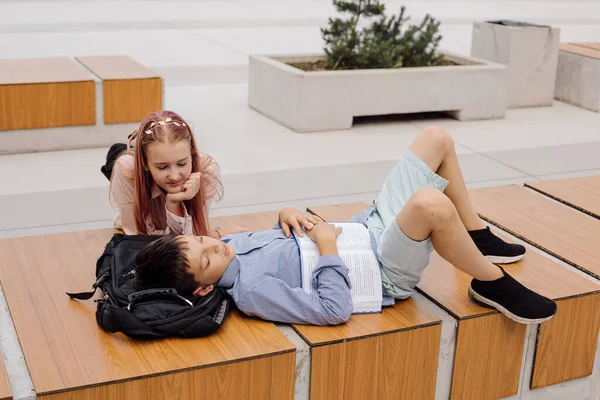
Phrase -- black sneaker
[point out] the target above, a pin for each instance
(512, 299)
(496, 250)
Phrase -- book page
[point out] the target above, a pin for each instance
(309, 261)
(354, 236)
(365, 275)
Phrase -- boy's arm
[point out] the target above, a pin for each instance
(329, 304)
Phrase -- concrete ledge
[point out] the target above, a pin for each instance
(328, 100)
(578, 76)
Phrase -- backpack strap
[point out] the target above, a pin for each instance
(88, 295)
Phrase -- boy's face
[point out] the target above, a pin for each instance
(208, 258)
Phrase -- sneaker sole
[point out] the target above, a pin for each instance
(521, 320)
(504, 260)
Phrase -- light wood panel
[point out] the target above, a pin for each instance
(582, 193)
(584, 51)
(116, 67)
(41, 70)
(66, 351)
(257, 221)
(595, 46)
(131, 100)
(478, 341)
(47, 105)
(5, 392)
(393, 366)
(404, 315)
(555, 228)
(130, 90)
(447, 286)
(256, 379)
(567, 344)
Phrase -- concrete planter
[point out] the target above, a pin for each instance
(578, 76)
(529, 51)
(328, 100)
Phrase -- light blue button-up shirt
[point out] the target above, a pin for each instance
(264, 280)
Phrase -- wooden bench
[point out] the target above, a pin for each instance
(130, 90)
(582, 193)
(69, 356)
(390, 355)
(562, 231)
(578, 75)
(5, 392)
(489, 347)
(44, 93)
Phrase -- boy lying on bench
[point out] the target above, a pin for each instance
(416, 211)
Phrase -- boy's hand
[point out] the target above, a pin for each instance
(290, 218)
(322, 231)
(325, 235)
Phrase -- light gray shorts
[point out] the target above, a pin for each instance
(403, 259)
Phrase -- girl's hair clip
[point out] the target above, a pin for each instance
(163, 123)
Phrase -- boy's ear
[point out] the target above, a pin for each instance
(203, 290)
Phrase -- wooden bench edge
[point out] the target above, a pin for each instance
(365, 336)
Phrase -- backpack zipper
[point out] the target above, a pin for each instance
(180, 316)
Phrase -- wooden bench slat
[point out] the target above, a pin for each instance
(447, 286)
(582, 193)
(41, 70)
(584, 51)
(115, 67)
(555, 228)
(595, 46)
(66, 350)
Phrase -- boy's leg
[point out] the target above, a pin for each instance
(431, 214)
(436, 148)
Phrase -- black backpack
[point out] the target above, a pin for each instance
(152, 313)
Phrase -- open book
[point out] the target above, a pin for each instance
(354, 247)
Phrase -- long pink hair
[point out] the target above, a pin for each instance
(170, 133)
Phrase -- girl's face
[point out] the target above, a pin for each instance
(170, 164)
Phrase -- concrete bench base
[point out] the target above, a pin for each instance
(578, 76)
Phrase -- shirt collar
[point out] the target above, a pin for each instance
(230, 274)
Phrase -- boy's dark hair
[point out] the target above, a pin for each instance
(163, 264)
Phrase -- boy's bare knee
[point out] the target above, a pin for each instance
(439, 137)
(432, 205)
